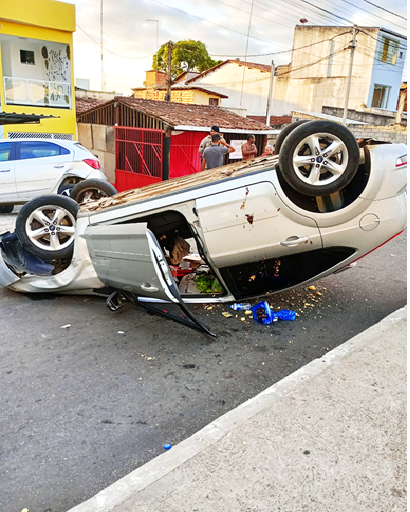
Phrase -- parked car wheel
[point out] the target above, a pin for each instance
(65, 190)
(46, 226)
(6, 209)
(319, 158)
(92, 190)
(285, 132)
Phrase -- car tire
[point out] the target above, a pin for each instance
(7, 209)
(92, 190)
(285, 132)
(65, 190)
(319, 158)
(43, 216)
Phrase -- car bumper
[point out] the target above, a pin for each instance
(7, 277)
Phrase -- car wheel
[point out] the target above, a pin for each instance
(65, 190)
(92, 190)
(46, 226)
(285, 132)
(6, 209)
(319, 158)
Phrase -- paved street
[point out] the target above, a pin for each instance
(85, 405)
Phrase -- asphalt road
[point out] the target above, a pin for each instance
(82, 406)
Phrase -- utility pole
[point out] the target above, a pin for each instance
(268, 103)
(156, 51)
(101, 44)
(169, 81)
(246, 51)
(349, 78)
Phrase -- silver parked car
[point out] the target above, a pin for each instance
(35, 167)
(228, 234)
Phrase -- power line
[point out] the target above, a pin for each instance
(383, 9)
(287, 51)
(376, 15)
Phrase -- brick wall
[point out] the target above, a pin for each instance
(153, 78)
(392, 133)
(100, 140)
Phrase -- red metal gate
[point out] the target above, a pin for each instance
(138, 157)
(184, 157)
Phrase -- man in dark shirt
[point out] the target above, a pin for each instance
(214, 155)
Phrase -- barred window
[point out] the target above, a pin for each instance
(214, 101)
(388, 50)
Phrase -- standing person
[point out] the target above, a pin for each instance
(206, 141)
(214, 154)
(249, 149)
(268, 150)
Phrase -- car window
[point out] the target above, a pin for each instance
(5, 152)
(39, 149)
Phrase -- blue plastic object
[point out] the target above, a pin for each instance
(263, 314)
(167, 446)
(285, 314)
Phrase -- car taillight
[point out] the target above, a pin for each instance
(95, 164)
(402, 160)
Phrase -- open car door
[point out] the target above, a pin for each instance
(128, 259)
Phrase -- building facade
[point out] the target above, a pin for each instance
(319, 70)
(36, 67)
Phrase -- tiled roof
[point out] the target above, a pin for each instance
(181, 114)
(84, 104)
(262, 67)
(274, 120)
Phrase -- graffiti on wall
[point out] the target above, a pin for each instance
(57, 68)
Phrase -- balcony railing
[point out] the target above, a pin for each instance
(43, 93)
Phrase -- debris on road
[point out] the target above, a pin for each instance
(65, 326)
(167, 446)
(226, 314)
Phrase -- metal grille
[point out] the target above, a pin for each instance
(138, 157)
(28, 135)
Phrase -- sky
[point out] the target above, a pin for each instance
(222, 25)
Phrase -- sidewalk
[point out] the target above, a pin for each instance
(331, 437)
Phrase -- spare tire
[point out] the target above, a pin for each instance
(319, 158)
(92, 190)
(285, 132)
(46, 226)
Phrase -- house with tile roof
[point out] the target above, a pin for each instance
(156, 89)
(232, 84)
(244, 84)
(178, 128)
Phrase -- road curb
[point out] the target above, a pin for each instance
(113, 497)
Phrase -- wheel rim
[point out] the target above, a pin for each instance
(51, 228)
(66, 192)
(320, 159)
(92, 194)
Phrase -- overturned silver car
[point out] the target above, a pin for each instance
(228, 234)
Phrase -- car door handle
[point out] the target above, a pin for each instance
(5, 170)
(59, 166)
(293, 241)
(149, 288)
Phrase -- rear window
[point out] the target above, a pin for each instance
(39, 149)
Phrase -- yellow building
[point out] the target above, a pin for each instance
(155, 89)
(36, 66)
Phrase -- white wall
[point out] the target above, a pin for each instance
(228, 79)
(316, 78)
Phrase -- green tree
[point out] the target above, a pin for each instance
(187, 55)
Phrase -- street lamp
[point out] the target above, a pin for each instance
(156, 60)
